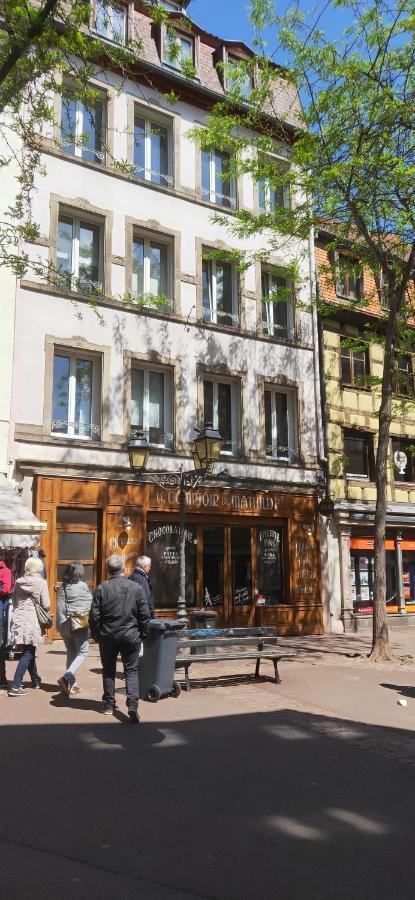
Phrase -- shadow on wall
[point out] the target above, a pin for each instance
(271, 805)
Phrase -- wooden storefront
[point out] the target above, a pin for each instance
(252, 555)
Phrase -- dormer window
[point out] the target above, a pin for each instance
(170, 6)
(111, 21)
(178, 50)
(238, 77)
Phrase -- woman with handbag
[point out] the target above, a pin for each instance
(72, 612)
(30, 607)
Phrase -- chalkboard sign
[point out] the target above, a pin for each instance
(269, 566)
(163, 547)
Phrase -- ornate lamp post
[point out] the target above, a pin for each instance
(207, 447)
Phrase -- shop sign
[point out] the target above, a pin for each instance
(215, 500)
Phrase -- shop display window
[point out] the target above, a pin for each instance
(163, 546)
(269, 566)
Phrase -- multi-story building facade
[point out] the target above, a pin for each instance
(176, 339)
(350, 406)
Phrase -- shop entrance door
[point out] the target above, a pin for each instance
(77, 541)
(227, 571)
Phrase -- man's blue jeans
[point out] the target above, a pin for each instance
(27, 663)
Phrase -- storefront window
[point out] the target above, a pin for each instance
(269, 566)
(213, 564)
(241, 566)
(163, 545)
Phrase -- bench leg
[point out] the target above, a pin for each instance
(257, 664)
(186, 677)
(276, 673)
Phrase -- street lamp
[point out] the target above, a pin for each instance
(207, 446)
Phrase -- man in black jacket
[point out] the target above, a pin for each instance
(141, 576)
(118, 620)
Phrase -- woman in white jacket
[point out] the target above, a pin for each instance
(73, 597)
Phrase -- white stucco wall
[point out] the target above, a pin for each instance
(40, 313)
(8, 187)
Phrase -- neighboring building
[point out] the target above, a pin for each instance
(211, 351)
(351, 421)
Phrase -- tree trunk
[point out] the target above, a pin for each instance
(381, 648)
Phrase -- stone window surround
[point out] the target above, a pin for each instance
(273, 261)
(150, 227)
(239, 379)
(109, 94)
(296, 388)
(162, 116)
(280, 156)
(76, 344)
(200, 245)
(76, 207)
(173, 367)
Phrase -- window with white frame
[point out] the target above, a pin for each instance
(218, 186)
(83, 128)
(219, 292)
(152, 151)
(170, 5)
(76, 394)
(221, 409)
(152, 405)
(152, 268)
(274, 194)
(178, 50)
(280, 424)
(79, 253)
(111, 21)
(277, 305)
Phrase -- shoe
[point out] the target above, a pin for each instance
(108, 711)
(133, 716)
(36, 687)
(4, 686)
(18, 692)
(64, 686)
(75, 689)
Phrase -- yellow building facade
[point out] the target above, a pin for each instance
(350, 407)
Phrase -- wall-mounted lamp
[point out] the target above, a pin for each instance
(127, 523)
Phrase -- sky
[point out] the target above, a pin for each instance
(230, 18)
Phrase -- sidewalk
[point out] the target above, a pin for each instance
(238, 790)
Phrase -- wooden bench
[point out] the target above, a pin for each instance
(199, 641)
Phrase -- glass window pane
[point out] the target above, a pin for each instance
(269, 565)
(65, 245)
(355, 450)
(225, 415)
(68, 124)
(139, 147)
(186, 47)
(222, 184)
(163, 545)
(158, 269)
(159, 154)
(137, 399)
(281, 413)
(88, 254)
(88, 569)
(138, 267)
(224, 293)
(205, 174)
(118, 24)
(208, 402)
(60, 397)
(359, 365)
(77, 516)
(213, 563)
(75, 546)
(91, 137)
(207, 291)
(156, 407)
(268, 422)
(241, 566)
(83, 397)
(262, 195)
(346, 367)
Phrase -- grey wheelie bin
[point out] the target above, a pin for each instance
(156, 666)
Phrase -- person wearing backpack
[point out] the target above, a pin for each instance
(72, 614)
